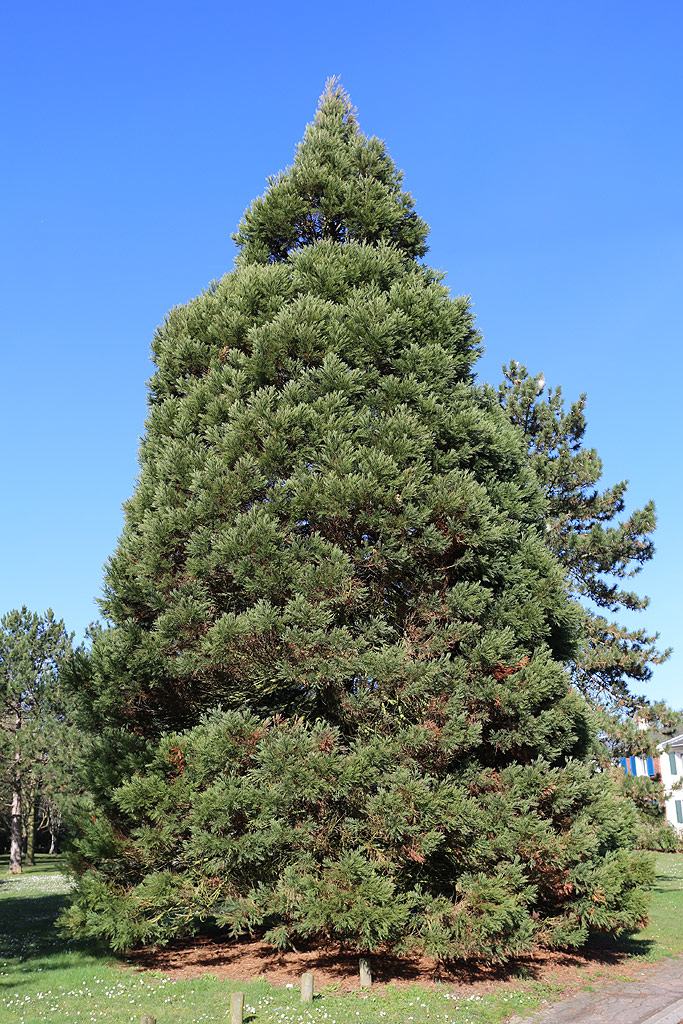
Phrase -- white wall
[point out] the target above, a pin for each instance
(671, 762)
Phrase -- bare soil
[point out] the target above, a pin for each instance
(337, 969)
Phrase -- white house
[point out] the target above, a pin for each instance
(667, 765)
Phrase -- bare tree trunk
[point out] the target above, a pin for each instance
(15, 830)
(55, 826)
(15, 840)
(30, 819)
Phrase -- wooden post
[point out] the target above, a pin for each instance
(236, 1007)
(365, 972)
(147, 1018)
(307, 988)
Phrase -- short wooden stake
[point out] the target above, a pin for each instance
(365, 972)
(307, 987)
(236, 1007)
(147, 1018)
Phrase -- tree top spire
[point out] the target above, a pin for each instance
(343, 187)
(335, 101)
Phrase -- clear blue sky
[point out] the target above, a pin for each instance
(542, 142)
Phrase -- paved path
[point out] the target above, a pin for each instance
(655, 997)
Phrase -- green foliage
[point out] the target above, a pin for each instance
(68, 980)
(661, 837)
(343, 188)
(36, 737)
(340, 542)
(32, 650)
(646, 795)
(282, 828)
(597, 551)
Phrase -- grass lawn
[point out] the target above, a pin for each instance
(48, 979)
(665, 928)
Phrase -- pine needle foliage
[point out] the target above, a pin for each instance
(600, 553)
(337, 540)
(34, 650)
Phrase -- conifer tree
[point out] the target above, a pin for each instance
(33, 648)
(331, 701)
(598, 552)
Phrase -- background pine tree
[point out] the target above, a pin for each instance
(34, 650)
(599, 552)
(339, 541)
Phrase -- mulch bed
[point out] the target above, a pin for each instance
(336, 968)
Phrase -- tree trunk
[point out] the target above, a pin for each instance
(55, 826)
(15, 840)
(15, 829)
(30, 818)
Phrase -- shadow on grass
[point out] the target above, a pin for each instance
(665, 883)
(631, 944)
(25, 916)
(47, 961)
(30, 940)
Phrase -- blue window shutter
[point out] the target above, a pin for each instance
(672, 764)
(679, 811)
(624, 764)
(650, 766)
(633, 765)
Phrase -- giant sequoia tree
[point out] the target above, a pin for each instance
(332, 699)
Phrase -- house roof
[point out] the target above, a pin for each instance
(675, 741)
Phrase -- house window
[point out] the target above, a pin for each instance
(679, 811)
(672, 764)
